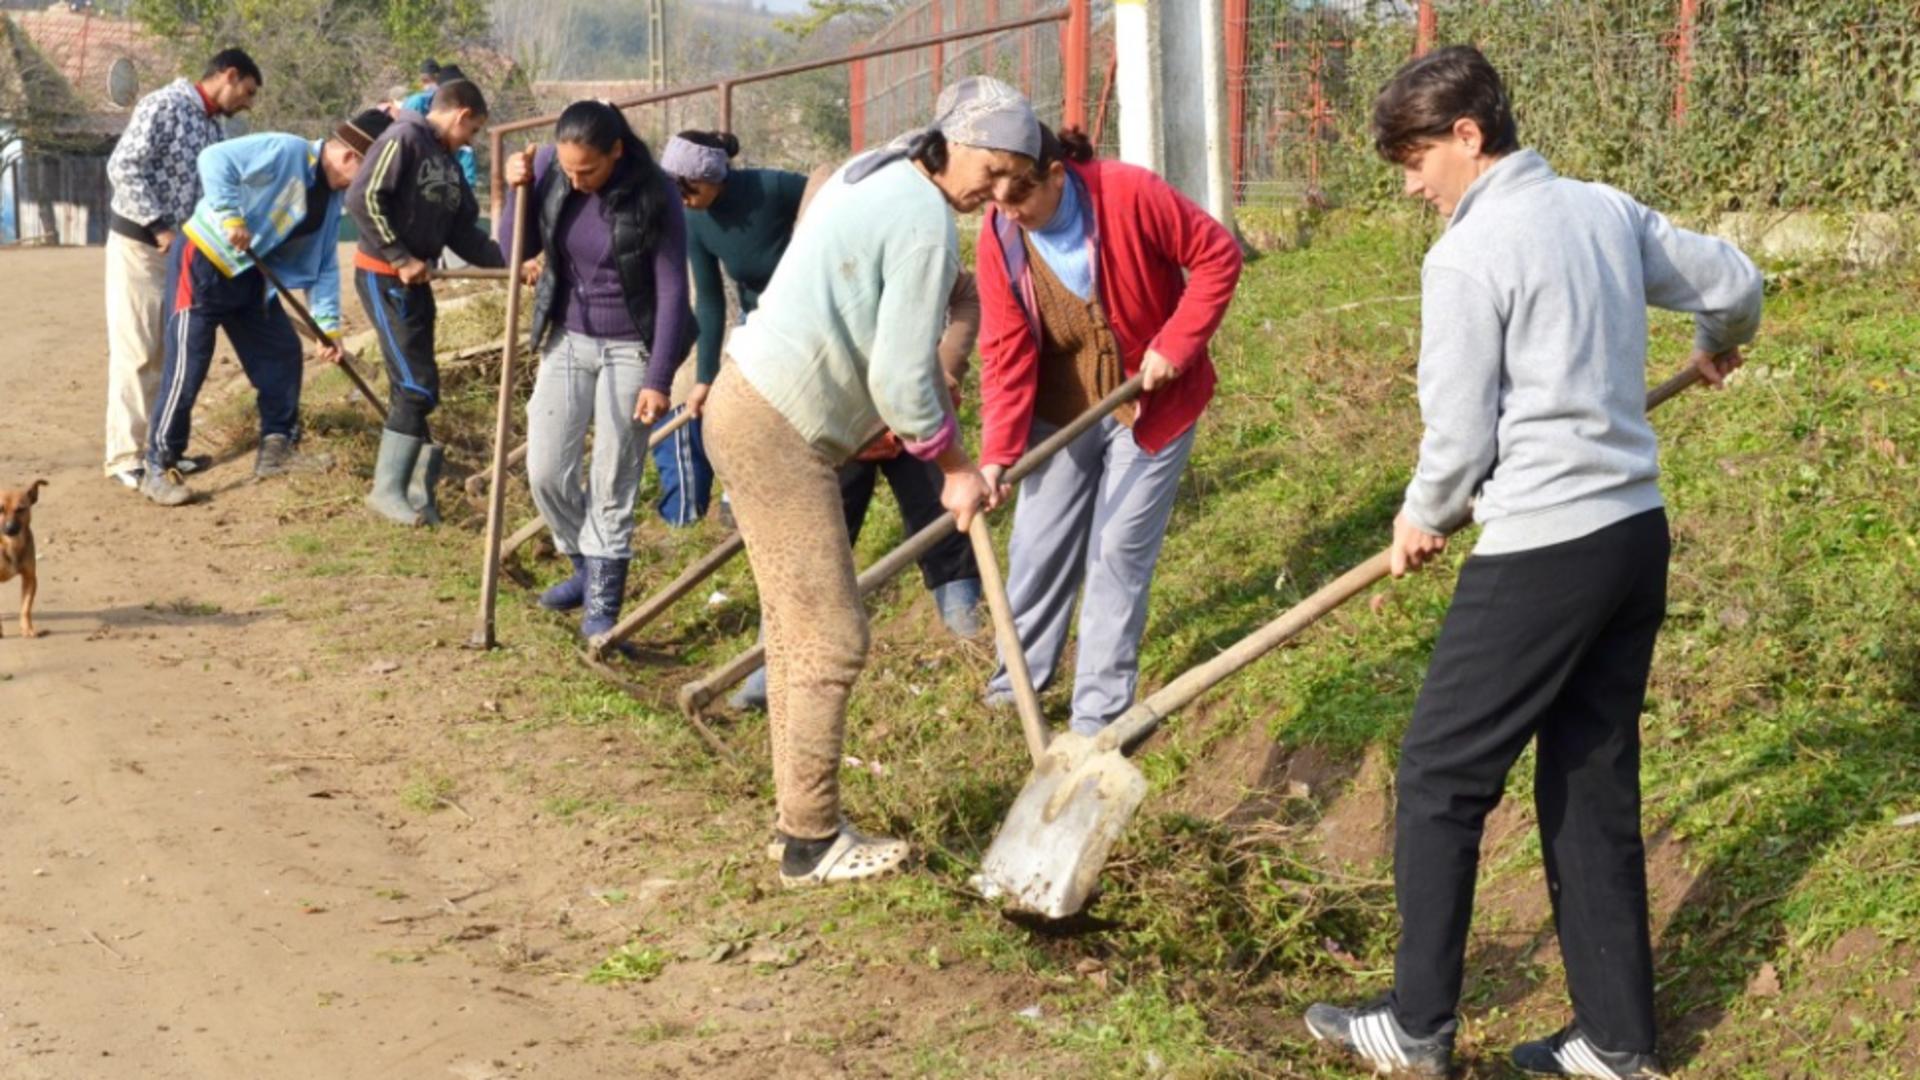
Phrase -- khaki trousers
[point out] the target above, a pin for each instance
(136, 287)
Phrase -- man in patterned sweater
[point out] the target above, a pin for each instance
(155, 186)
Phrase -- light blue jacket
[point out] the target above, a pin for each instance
(262, 181)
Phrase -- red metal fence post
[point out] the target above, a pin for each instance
(1076, 40)
(857, 105)
(939, 51)
(1236, 46)
(986, 47)
(1683, 57)
(1426, 27)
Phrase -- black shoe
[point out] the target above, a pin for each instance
(1570, 1053)
(1372, 1034)
(193, 464)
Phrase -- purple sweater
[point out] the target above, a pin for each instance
(588, 299)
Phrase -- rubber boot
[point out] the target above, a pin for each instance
(959, 603)
(606, 591)
(423, 487)
(570, 593)
(752, 694)
(391, 473)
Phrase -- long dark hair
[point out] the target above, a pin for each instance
(638, 177)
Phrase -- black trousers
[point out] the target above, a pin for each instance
(916, 486)
(1552, 646)
(404, 317)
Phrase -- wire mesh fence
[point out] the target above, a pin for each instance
(1701, 105)
(896, 93)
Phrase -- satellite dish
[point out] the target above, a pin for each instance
(123, 83)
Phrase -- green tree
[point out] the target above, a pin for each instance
(321, 58)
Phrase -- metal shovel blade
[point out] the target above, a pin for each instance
(1053, 844)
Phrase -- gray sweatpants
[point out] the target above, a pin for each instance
(582, 381)
(1096, 514)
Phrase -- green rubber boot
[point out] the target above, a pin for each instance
(392, 472)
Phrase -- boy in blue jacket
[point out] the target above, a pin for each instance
(273, 198)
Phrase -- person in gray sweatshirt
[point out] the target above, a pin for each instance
(1532, 384)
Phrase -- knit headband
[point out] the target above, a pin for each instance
(689, 160)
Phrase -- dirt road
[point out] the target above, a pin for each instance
(174, 902)
(208, 866)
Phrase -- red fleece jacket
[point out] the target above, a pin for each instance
(1144, 235)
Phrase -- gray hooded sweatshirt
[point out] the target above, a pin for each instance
(1533, 353)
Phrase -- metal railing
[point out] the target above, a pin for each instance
(1074, 16)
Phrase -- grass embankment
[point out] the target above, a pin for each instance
(1780, 733)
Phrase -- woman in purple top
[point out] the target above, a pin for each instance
(607, 254)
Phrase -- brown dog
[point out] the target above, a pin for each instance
(16, 548)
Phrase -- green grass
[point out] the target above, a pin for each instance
(629, 963)
(1780, 731)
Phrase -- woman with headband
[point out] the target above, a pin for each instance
(738, 224)
(842, 347)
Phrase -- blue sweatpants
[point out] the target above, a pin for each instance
(686, 478)
(200, 300)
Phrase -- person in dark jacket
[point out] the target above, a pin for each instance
(611, 325)
(739, 223)
(410, 202)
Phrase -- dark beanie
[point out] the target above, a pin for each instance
(360, 131)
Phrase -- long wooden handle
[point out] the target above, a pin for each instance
(483, 633)
(695, 695)
(481, 273)
(313, 327)
(1139, 721)
(1032, 721)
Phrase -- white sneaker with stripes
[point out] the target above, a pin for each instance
(1372, 1034)
(1570, 1053)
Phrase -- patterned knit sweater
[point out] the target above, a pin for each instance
(154, 168)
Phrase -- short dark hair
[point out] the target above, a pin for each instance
(430, 68)
(235, 60)
(448, 73)
(459, 94)
(1426, 96)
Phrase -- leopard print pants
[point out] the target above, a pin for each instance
(786, 498)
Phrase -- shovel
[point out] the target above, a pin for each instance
(1049, 852)
(696, 695)
(313, 327)
(1032, 721)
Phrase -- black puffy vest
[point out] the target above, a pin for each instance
(632, 260)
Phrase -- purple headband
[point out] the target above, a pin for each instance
(691, 161)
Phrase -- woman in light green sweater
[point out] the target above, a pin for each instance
(842, 346)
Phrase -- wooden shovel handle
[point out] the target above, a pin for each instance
(1140, 721)
(1032, 721)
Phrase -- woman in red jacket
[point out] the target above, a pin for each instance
(1091, 272)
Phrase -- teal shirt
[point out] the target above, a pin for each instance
(744, 232)
(843, 342)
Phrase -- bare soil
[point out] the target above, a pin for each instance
(209, 864)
